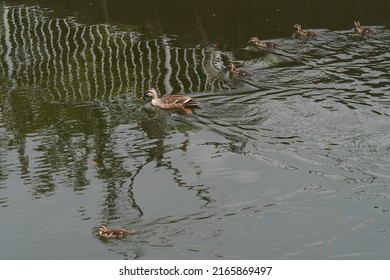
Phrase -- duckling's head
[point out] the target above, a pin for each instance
(356, 23)
(297, 26)
(152, 93)
(102, 229)
(253, 40)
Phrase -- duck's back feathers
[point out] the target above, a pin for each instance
(175, 101)
(172, 101)
(256, 42)
(271, 45)
(237, 72)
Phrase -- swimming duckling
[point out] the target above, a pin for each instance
(364, 31)
(303, 33)
(113, 233)
(256, 42)
(171, 101)
(237, 72)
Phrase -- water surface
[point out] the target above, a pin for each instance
(290, 163)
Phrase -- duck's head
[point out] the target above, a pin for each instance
(102, 229)
(151, 93)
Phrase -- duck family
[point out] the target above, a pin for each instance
(172, 101)
(186, 103)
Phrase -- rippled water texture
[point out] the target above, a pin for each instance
(292, 162)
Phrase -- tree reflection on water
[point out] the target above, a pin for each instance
(72, 119)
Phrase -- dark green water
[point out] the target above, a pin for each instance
(292, 163)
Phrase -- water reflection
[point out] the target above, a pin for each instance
(292, 143)
(72, 62)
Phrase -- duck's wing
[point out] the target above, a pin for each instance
(124, 232)
(310, 33)
(190, 102)
(271, 45)
(179, 101)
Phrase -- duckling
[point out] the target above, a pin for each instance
(304, 33)
(364, 31)
(113, 233)
(236, 72)
(256, 42)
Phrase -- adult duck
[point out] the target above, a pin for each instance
(172, 101)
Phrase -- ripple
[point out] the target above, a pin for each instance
(312, 187)
(375, 173)
(4, 201)
(268, 161)
(342, 178)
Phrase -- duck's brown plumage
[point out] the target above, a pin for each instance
(364, 31)
(104, 232)
(172, 101)
(256, 42)
(237, 72)
(303, 33)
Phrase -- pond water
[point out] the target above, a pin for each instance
(292, 162)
